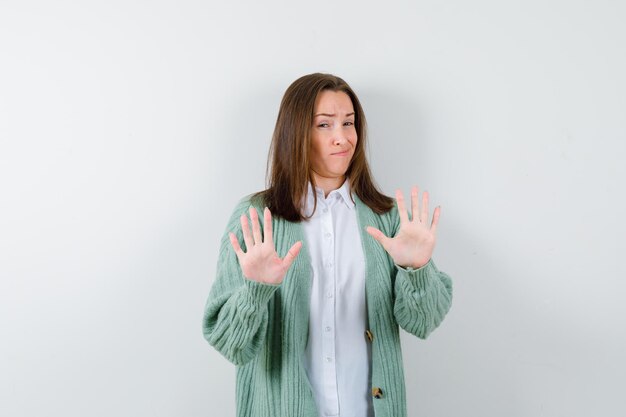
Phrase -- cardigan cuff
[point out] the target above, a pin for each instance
(419, 276)
(259, 293)
(410, 269)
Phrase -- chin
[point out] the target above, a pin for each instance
(339, 172)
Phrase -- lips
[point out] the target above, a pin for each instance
(342, 153)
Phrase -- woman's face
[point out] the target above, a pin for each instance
(333, 136)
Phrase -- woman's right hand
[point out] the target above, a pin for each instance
(261, 262)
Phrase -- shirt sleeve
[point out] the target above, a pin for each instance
(236, 312)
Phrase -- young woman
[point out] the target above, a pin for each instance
(308, 300)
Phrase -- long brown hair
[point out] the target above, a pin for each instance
(289, 164)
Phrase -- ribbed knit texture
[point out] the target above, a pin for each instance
(263, 328)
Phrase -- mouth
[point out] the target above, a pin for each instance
(343, 153)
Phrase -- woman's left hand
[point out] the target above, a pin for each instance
(414, 243)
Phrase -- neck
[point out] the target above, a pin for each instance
(328, 184)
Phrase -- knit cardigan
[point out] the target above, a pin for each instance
(263, 328)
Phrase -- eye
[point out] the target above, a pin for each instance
(323, 124)
(348, 124)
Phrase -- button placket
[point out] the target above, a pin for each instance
(328, 320)
(333, 281)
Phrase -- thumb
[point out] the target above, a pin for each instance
(378, 235)
(291, 255)
(235, 244)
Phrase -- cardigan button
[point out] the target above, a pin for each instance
(369, 335)
(377, 392)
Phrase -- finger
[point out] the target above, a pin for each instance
(404, 217)
(235, 244)
(256, 228)
(414, 202)
(424, 215)
(267, 225)
(245, 227)
(379, 236)
(291, 255)
(433, 226)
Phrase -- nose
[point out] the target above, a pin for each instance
(340, 138)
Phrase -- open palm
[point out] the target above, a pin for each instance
(414, 243)
(260, 262)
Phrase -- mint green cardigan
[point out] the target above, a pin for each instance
(263, 328)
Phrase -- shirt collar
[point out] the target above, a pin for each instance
(343, 192)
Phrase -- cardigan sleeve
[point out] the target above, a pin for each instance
(236, 312)
(422, 297)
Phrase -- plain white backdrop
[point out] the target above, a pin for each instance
(129, 130)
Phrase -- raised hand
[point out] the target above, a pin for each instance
(414, 243)
(261, 262)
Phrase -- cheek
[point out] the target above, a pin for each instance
(315, 152)
(318, 144)
(354, 140)
(352, 136)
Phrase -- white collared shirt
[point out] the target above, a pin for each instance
(337, 357)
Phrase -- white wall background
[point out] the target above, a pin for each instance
(129, 129)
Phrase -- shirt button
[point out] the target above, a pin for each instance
(369, 335)
(329, 359)
(324, 210)
(327, 235)
(377, 392)
(329, 295)
(329, 265)
(327, 328)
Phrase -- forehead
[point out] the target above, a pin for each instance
(333, 102)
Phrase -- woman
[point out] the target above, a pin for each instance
(305, 303)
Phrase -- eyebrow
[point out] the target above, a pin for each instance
(332, 115)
